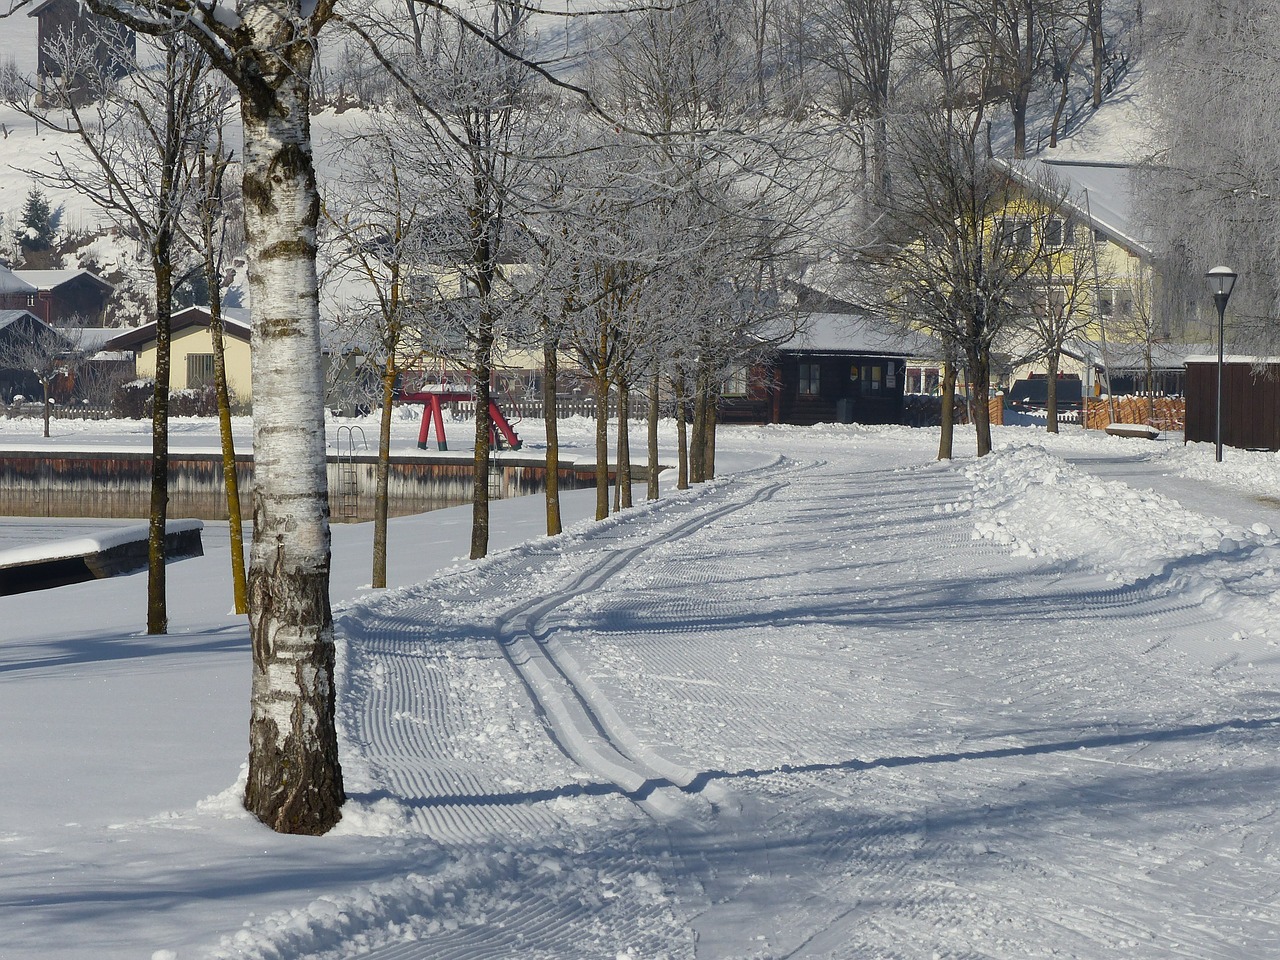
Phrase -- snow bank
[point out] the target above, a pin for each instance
(1040, 506)
(87, 546)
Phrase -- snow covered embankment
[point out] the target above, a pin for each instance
(1040, 506)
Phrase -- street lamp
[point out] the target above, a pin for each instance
(1221, 280)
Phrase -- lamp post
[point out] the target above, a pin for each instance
(1221, 280)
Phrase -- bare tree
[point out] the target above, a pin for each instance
(1096, 29)
(963, 268)
(859, 43)
(378, 219)
(49, 357)
(134, 132)
(463, 124)
(208, 237)
(1061, 284)
(1016, 41)
(1066, 34)
(1211, 193)
(267, 51)
(955, 69)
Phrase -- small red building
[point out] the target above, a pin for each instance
(60, 298)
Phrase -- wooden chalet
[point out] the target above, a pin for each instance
(16, 293)
(113, 44)
(191, 349)
(61, 298)
(18, 330)
(840, 368)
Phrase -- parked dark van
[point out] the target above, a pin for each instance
(1033, 393)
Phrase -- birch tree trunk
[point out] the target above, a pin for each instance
(295, 779)
(550, 386)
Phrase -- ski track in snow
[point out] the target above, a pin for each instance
(821, 711)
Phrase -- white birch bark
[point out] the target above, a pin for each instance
(295, 781)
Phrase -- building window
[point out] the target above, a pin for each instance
(1055, 231)
(1054, 305)
(1114, 303)
(1018, 233)
(870, 378)
(31, 299)
(199, 369)
(735, 385)
(809, 380)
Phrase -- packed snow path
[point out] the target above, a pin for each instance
(811, 712)
(849, 703)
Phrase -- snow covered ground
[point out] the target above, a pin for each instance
(843, 701)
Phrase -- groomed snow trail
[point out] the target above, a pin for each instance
(847, 707)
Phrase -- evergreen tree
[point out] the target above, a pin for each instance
(38, 224)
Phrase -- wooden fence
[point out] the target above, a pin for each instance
(1163, 413)
(1250, 403)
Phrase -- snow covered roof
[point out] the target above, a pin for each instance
(1167, 356)
(854, 333)
(1232, 358)
(35, 10)
(9, 317)
(1099, 192)
(13, 316)
(10, 282)
(1133, 356)
(52, 279)
(90, 338)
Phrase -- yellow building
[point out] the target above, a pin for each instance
(1103, 255)
(191, 350)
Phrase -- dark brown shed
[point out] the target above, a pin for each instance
(1250, 401)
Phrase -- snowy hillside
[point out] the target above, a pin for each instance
(18, 41)
(1115, 132)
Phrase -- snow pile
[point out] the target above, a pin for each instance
(1249, 470)
(1040, 506)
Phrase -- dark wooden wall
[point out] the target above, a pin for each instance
(839, 397)
(1250, 404)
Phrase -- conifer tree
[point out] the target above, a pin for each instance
(37, 225)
